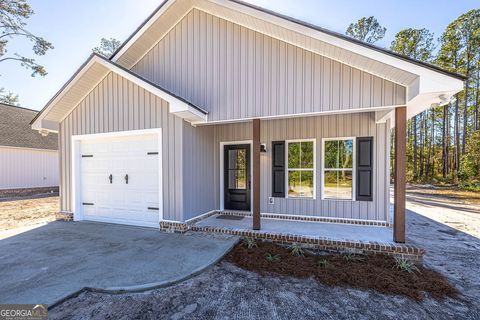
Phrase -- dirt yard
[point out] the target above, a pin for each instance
(27, 212)
(455, 208)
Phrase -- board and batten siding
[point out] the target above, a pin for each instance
(318, 127)
(236, 73)
(28, 168)
(117, 104)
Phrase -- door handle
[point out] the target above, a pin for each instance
(110, 177)
(126, 178)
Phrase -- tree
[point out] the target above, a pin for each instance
(367, 30)
(8, 97)
(107, 47)
(13, 14)
(468, 26)
(417, 44)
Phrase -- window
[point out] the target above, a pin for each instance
(338, 157)
(301, 169)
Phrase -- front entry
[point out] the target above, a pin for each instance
(237, 177)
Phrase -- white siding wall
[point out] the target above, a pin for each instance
(28, 168)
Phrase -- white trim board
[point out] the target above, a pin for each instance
(75, 168)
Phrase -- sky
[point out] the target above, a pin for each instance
(75, 27)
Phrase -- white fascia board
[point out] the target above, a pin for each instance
(37, 125)
(176, 104)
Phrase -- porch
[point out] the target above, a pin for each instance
(363, 237)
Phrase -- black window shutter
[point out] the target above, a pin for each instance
(278, 169)
(364, 169)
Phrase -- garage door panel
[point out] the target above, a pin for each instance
(119, 202)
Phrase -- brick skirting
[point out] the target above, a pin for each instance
(402, 250)
(64, 216)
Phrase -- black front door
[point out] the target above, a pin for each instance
(237, 177)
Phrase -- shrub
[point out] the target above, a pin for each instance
(272, 258)
(405, 265)
(324, 263)
(297, 250)
(249, 243)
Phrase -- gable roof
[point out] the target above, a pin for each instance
(426, 84)
(87, 77)
(15, 130)
(306, 24)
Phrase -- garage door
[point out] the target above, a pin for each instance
(119, 180)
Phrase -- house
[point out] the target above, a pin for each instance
(217, 105)
(27, 159)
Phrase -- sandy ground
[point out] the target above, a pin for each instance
(225, 291)
(27, 212)
(457, 209)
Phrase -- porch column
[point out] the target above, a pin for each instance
(256, 174)
(399, 174)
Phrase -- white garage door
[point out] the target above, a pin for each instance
(119, 180)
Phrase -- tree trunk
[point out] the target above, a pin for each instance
(457, 137)
(422, 142)
(431, 149)
(415, 174)
(477, 89)
(445, 142)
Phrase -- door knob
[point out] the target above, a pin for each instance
(126, 178)
(110, 177)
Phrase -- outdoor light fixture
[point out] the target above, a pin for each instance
(263, 147)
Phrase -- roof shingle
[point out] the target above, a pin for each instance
(15, 130)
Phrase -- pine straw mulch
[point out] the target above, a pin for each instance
(377, 272)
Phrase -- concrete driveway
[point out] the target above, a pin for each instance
(48, 263)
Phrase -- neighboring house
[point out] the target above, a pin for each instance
(221, 105)
(27, 159)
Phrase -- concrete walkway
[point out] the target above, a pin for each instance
(46, 264)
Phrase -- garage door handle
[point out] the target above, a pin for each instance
(126, 179)
(110, 177)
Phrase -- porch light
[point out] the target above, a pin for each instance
(263, 147)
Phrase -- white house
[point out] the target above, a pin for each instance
(27, 159)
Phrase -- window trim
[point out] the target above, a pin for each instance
(354, 163)
(314, 169)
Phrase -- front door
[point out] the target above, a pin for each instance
(237, 177)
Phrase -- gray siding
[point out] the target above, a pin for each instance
(236, 73)
(116, 104)
(359, 124)
(199, 170)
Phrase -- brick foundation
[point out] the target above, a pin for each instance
(402, 250)
(64, 216)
